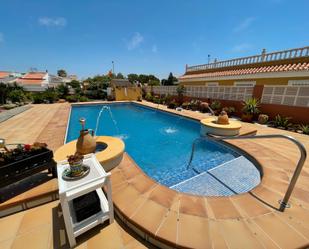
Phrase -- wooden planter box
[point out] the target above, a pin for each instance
(25, 166)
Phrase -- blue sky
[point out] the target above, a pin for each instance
(143, 36)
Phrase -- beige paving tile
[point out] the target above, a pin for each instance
(9, 226)
(37, 238)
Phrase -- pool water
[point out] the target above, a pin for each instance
(159, 142)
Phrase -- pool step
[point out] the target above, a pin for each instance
(233, 177)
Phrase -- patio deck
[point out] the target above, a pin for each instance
(180, 220)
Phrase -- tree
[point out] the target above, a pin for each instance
(3, 93)
(143, 78)
(17, 95)
(153, 78)
(133, 77)
(119, 76)
(62, 73)
(169, 81)
(154, 83)
(62, 90)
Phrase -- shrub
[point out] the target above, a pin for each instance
(17, 95)
(304, 129)
(215, 105)
(149, 97)
(72, 98)
(62, 90)
(282, 122)
(83, 99)
(9, 106)
(172, 104)
(50, 95)
(251, 106)
(38, 98)
(229, 110)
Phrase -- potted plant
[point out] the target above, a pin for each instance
(76, 164)
(172, 104)
(250, 108)
(204, 107)
(263, 118)
(23, 160)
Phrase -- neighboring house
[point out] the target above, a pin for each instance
(123, 89)
(34, 81)
(288, 67)
(8, 77)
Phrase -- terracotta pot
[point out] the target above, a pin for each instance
(85, 143)
(223, 118)
(247, 117)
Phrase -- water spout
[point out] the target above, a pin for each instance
(104, 107)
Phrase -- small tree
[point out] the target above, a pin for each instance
(17, 95)
(62, 73)
(119, 76)
(180, 91)
(132, 77)
(62, 90)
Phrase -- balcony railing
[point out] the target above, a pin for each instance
(264, 57)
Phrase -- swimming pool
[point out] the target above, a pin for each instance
(159, 142)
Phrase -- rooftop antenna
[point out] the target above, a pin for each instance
(208, 58)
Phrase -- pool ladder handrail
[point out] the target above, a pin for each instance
(303, 155)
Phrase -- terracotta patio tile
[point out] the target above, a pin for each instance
(123, 198)
(142, 183)
(192, 205)
(163, 195)
(9, 226)
(168, 229)
(260, 235)
(237, 235)
(150, 216)
(37, 238)
(217, 240)
(37, 217)
(193, 232)
(283, 235)
(250, 205)
(109, 237)
(223, 208)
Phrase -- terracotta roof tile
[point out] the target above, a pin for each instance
(29, 81)
(251, 70)
(4, 74)
(34, 75)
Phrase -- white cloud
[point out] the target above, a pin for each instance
(53, 22)
(154, 48)
(135, 41)
(245, 24)
(1, 37)
(243, 47)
